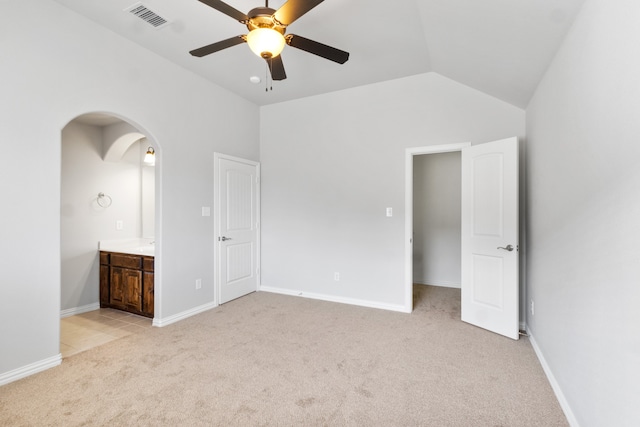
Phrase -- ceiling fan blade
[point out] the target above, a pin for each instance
(294, 9)
(214, 47)
(277, 68)
(226, 9)
(327, 52)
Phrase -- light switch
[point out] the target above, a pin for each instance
(206, 211)
(119, 224)
(389, 211)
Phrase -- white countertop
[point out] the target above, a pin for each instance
(129, 246)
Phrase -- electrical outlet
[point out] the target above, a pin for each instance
(119, 224)
(198, 283)
(336, 276)
(532, 308)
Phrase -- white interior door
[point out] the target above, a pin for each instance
(237, 207)
(490, 264)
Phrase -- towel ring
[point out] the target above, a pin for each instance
(104, 200)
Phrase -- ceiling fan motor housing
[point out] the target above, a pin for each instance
(262, 17)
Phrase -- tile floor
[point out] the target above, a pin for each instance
(94, 328)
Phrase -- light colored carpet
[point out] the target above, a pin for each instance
(274, 360)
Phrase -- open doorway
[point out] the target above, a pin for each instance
(489, 230)
(108, 194)
(437, 219)
(433, 241)
(437, 224)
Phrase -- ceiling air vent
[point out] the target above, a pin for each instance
(147, 15)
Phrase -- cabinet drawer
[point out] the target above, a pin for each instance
(127, 261)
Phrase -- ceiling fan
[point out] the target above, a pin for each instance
(266, 37)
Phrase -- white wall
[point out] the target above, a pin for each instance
(83, 222)
(332, 164)
(61, 66)
(583, 156)
(437, 188)
(148, 177)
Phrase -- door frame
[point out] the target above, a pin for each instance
(216, 222)
(408, 211)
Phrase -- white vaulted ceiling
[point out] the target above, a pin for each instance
(500, 47)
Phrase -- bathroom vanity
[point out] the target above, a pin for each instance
(127, 278)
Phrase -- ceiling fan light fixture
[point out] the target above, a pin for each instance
(266, 42)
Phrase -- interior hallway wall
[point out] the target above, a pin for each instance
(583, 179)
(437, 188)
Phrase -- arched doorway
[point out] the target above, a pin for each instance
(107, 194)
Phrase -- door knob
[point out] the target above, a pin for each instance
(224, 239)
(508, 248)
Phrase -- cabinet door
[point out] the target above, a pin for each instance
(116, 296)
(147, 294)
(133, 289)
(126, 288)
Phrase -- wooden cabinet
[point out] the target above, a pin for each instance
(126, 282)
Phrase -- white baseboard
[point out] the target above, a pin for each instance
(183, 315)
(79, 310)
(437, 283)
(571, 418)
(332, 298)
(30, 369)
